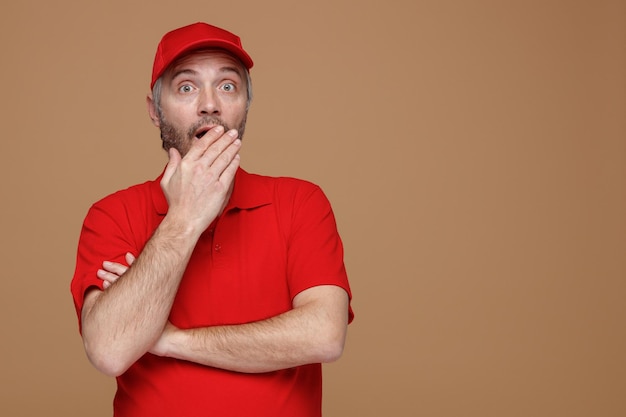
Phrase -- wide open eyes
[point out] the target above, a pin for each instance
(228, 87)
(186, 88)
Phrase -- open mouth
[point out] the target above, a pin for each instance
(202, 131)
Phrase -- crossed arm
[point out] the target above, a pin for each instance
(313, 331)
(130, 317)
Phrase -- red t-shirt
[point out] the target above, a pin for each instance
(276, 238)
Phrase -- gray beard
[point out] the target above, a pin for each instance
(181, 141)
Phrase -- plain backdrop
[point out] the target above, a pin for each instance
(474, 153)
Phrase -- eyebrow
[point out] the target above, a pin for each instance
(183, 72)
(232, 69)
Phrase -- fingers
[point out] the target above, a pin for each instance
(108, 277)
(113, 270)
(228, 174)
(216, 148)
(130, 258)
(114, 267)
(200, 146)
(172, 165)
(222, 161)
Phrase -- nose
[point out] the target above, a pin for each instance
(208, 103)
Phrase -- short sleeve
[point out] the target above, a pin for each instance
(103, 238)
(315, 251)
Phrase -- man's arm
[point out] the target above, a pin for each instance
(121, 324)
(313, 331)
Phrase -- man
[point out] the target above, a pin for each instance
(211, 291)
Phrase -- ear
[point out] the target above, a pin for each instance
(152, 111)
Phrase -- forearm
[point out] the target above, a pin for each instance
(312, 332)
(120, 324)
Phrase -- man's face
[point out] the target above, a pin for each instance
(198, 92)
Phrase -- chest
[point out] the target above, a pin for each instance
(237, 273)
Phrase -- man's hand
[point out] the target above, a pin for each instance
(112, 270)
(198, 185)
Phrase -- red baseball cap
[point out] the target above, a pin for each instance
(198, 35)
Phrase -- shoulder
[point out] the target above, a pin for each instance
(135, 199)
(291, 197)
(277, 186)
(132, 193)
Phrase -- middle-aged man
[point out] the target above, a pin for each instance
(211, 291)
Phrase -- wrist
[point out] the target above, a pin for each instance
(178, 227)
(175, 342)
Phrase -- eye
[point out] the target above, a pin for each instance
(185, 88)
(228, 87)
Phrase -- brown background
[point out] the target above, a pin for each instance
(474, 152)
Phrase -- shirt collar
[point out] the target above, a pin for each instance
(250, 191)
